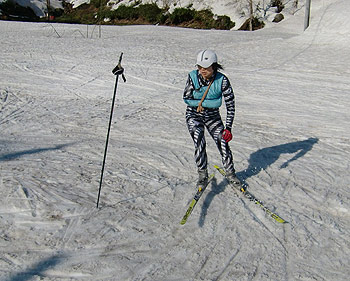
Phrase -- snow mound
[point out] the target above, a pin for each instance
(329, 22)
(334, 18)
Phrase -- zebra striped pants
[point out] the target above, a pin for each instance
(210, 119)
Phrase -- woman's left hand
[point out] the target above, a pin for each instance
(226, 135)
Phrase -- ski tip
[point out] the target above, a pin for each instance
(282, 221)
(278, 219)
(184, 220)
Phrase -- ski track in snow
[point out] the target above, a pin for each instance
(291, 147)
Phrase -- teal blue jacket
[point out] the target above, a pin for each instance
(214, 96)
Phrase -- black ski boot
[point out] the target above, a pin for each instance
(232, 178)
(202, 179)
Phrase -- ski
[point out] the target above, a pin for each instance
(252, 198)
(195, 199)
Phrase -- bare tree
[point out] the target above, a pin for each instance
(296, 4)
(48, 9)
(251, 15)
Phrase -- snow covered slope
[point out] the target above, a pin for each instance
(291, 146)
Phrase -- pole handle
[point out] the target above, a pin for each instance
(119, 70)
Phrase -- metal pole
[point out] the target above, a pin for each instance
(118, 70)
(307, 14)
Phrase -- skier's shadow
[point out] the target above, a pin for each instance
(258, 161)
(265, 157)
(217, 189)
(37, 269)
(19, 154)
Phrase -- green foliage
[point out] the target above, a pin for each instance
(145, 14)
(99, 3)
(150, 12)
(200, 19)
(163, 18)
(205, 18)
(181, 15)
(204, 15)
(84, 14)
(56, 12)
(15, 11)
(224, 22)
(125, 12)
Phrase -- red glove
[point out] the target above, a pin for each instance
(226, 135)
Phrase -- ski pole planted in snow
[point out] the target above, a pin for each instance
(118, 70)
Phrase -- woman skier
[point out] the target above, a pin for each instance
(203, 94)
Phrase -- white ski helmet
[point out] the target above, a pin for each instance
(206, 58)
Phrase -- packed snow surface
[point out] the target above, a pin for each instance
(291, 147)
